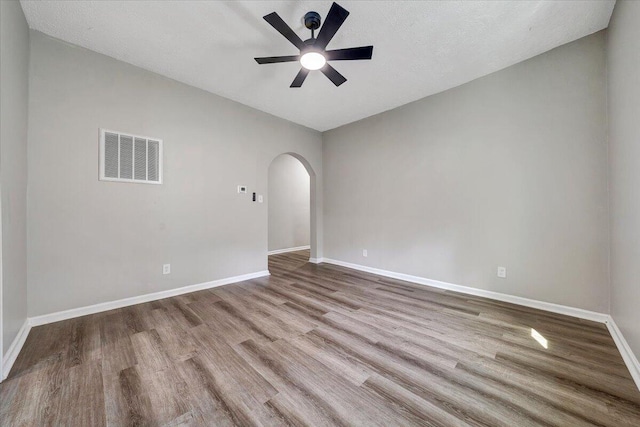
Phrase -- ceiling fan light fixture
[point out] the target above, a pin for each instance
(313, 52)
(313, 61)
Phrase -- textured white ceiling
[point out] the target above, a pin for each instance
(420, 47)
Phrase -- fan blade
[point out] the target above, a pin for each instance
(276, 59)
(277, 23)
(336, 16)
(363, 52)
(333, 75)
(297, 82)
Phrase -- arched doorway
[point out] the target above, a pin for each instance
(291, 199)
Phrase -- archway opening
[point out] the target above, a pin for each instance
(289, 213)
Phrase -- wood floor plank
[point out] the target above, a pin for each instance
(320, 345)
(203, 400)
(430, 414)
(81, 400)
(136, 407)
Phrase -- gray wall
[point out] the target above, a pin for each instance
(623, 62)
(289, 203)
(92, 241)
(14, 67)
(507, 170)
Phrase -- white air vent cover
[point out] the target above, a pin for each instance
(130, 158)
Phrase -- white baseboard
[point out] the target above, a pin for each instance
(105, 306)
(623, 346)
(14, 349)
(285, 250)
(316, 260)
(542, 305)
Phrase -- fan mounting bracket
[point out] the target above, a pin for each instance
(312, 20)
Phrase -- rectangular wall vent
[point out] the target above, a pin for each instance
(130, 158)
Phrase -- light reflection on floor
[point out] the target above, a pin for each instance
(538, 337)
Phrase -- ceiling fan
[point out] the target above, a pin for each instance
(313, 54)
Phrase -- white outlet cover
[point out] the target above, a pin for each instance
(166, 269)
(364, 253)
(502, 272)
(260, 198)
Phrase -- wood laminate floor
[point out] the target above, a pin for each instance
(320, 345)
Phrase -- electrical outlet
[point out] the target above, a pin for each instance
(364, 253)
(502, 272)
(166, 269)
(260, 198)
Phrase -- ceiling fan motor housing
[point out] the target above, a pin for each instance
(312, 20)
(309, 46)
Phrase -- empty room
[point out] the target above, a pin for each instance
(310, 213)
